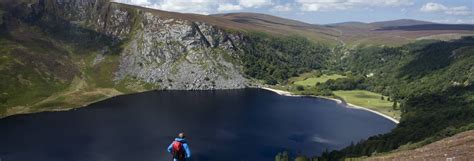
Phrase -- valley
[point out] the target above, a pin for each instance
(62, 55)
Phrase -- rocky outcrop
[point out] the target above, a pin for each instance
(180, 54)
(172, 52)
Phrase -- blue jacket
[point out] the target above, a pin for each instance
(185, 146)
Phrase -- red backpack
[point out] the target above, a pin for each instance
(178, 150)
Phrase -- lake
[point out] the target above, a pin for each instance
(222, 125)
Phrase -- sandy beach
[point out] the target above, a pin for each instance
(287, 93)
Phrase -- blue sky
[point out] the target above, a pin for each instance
(328, 11)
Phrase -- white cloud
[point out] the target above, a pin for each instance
(228, 7)
(456, 21)
(255, 3)
(436, 7)
(433, 7)
(329, 5)
(282, 8)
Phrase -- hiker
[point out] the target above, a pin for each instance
(179, 148)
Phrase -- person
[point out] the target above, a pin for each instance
(179, 148)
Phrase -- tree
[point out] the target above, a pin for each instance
(271, 81)
(382, 98)
(300, 88)
(394, 106)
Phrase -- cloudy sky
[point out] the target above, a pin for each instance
(328, 11)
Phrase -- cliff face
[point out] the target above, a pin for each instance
(180, 54)
(171, 52)
(57, 55)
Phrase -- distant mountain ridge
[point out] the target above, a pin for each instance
(282, 26)
(350, 33)
(401, 22)
(425, 27)
(382, 24)
(404, 24)
(247, 16)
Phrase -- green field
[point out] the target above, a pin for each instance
(370, 100)
(312, 80)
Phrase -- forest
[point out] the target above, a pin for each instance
(275, 59)
(433, 80)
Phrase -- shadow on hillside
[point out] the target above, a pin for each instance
(432, 57)
(83, 40)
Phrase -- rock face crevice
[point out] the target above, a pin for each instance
(203, 38)
(172, 52)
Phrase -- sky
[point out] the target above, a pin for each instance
(328, 11)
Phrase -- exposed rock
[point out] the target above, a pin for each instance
(172, 52)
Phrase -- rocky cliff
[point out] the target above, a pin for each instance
(57, 55)
(172, 52)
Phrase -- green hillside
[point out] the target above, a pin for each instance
(433, 80)
(58, 56)
(312, 81)
(370, 100)
(55, 59)
(42, 70)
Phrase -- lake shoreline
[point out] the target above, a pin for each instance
(348, 105)
(156, 116)
(280, 92)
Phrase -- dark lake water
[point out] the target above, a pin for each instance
(227, 125)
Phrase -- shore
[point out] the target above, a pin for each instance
(349, 105)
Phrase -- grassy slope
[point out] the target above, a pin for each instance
(312, 81)
(370, 100)
(43, 71)
(308, 80)
(362, 98)
(35, 67)
(457, 147)
(30, 81)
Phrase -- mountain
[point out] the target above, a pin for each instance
(354, 24)
(351, 33)
(278, 25)
(428, 27)
(258, 18)
(382, 24)
(397, 32)
(58, 55)
(400, 22)
(62, 54)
